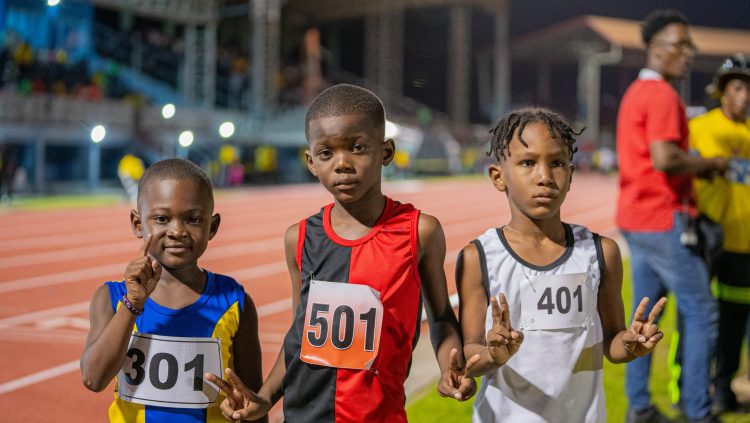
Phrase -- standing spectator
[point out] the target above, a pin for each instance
(8, 167)
(656, 174)
(725, 132)
(130, 170)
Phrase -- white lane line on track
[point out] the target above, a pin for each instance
(263, 310)
(99, 272)
(109, 271)
(256, 271)
(37, 377)
(70, 367)
(49, 313)
(118, 247)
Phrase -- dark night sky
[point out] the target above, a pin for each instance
(531, 15)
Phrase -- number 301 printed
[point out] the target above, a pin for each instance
(139, 359)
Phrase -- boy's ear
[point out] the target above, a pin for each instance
(309, 160)
(215, 221)
(389, 151)
(496, 176)
(136, 224)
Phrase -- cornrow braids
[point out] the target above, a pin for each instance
(502, 133)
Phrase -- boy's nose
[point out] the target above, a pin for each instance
(177, 228)
(343, 163)
(545, 176)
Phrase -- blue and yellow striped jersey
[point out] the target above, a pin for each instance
(216, 314)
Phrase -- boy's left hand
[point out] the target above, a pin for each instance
(643, 335)
(454, 382)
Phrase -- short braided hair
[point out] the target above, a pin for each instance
(502, 133)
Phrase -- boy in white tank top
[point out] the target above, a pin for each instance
(558, 283)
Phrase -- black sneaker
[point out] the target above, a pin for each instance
(711, 418)
(724, 402)
(648, 415)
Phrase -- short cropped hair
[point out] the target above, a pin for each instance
(502, 133)
(655, 21)
(175, 169)
(346, 99)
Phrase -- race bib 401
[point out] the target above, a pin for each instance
(168, 371)
(342, 325)
(551, 302)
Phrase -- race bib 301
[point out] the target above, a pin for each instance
(168, 371)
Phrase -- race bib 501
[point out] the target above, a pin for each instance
(342, 325)
(168, 371)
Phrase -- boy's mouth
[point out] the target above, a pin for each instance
(345, 183)
(545, 194)
(176, 248)
(544, 197)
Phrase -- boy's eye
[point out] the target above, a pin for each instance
(526, 163)
(359, 148)
(161, 219)
(195, 220)
(324, 154)
(558, 163)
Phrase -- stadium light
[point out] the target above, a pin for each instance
(98, 133)
(226, 129)
(168, 111)
(391, 129)
(186, 138)
(53, 3)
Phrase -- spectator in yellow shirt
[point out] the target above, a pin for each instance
(725, 132)
(130, 169)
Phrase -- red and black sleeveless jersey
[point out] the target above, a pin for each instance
(387, 260)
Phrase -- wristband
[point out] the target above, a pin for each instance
(133, 309)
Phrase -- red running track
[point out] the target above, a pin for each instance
(52, 261)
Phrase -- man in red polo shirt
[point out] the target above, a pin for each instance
(655, 201)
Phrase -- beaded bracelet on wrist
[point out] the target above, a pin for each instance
(133, 309)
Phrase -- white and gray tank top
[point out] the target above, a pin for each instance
(556, 376)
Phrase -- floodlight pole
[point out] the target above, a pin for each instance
(589, 85)
(94, 163)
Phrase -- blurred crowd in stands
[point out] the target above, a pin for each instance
(25, 70)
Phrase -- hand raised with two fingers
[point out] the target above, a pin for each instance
(142, 275)
(643, 334)
(502, 340)
(456, 382)
(241, 403)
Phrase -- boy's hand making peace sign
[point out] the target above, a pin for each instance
(456, 382)
(241, 403)
(643, 335)
(502, 340)
(142, 275)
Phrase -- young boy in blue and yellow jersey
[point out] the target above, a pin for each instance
(169, 320)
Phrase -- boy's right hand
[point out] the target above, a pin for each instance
(142, 275)
(241, 403)
(502, 340)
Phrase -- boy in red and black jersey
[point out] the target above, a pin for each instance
(359, 270)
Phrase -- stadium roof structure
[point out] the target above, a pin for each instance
(568, 41)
